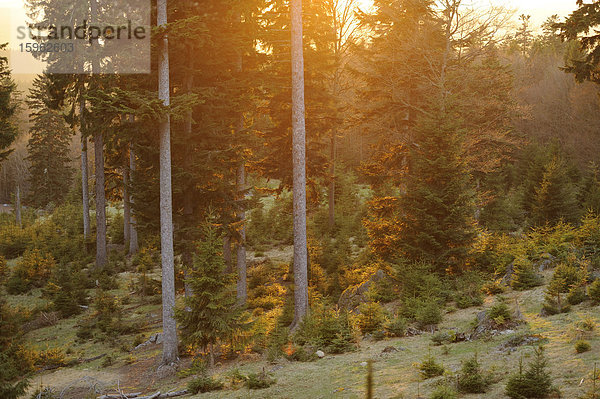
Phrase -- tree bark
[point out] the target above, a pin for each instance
(126, 207)
(299, 166)
(188, 205)
(133, 236)
(331, 195)
(18, 206)
(242, 290)
(101, 256)
(85, 190)
(166, 202)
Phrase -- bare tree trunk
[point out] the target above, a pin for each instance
(101, 256)
(18, 206)
(242, 290)
(166, 202)
(188, 206)
(299, 166)
(126, 207)
(133, 236)
(85, 190)
(331, 195)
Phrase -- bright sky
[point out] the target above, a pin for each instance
(538, 9)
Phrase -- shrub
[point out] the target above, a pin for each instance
(576, 295)
(50, 358)
(444, 392)
(443, 337)
(566, 277)
(33, 270)
(428, 314)
(14, 240)
(67, 290)
(493, 287)
(500, 313)
(115, 229)
(371, 317)
(203, 384)
(524, 276)
(259, 381)
(587, 324)
(467, 290)
(44, 393)
(396, 327)
(536, 382)
(327, 329)
(582, 346)
(3, 270)
(107, 309)
(471, 378)
(594, 291)
(429, 368)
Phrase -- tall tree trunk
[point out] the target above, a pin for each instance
(133, 236)
(101, 256)
(331, 195)
(85, 190)
(18, 205)
(166, 202)
(126, 207)
(188, 206)
(242, 289)
(299, 166)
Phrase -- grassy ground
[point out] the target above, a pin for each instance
(339, 376)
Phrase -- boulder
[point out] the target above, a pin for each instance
(546, 261)
(355, 295)
(320, 354)
(506, 279)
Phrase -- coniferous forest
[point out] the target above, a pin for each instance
(305, 199)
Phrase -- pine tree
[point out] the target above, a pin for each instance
(8, 106)
(210, 314)
(48, 147)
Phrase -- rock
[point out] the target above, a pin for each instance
(320, 354)
(411, 331)
(546, 262)
(355, 295)
(154, 339)
(364, 364)
(508, 275)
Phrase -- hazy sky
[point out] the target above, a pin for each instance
(538, 9)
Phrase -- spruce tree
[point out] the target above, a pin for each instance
(8, 106)
(14, 364)
(536, 382)
(48, 147)
(210, 314)
(556, 195)
(438, 206)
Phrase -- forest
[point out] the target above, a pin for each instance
(304, 199)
